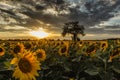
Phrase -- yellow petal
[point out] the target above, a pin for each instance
(14, 60)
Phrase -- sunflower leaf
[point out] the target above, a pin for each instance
(92, 71)
(116, 69)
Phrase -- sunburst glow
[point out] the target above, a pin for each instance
(40, 33)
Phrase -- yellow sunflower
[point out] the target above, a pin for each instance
(63, 50)
(91, 50)
(19, 48)
(2, 51)
(56, 45)
(26, 66)
(40, 54)
(118, 41)
(114, 54)
(103, 45)
(28, 45)
(81, 43)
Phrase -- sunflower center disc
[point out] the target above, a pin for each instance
(24, 65)
(39, 55)
(1, 50)
(63, 50)
(17, 49)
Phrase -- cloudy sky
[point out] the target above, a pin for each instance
(18, 18)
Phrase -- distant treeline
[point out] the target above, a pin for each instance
(52, 39)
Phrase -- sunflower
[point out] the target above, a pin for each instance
(114, 54)
(118, 41)
(81, 43)
(26, 66)
(63, 50)
(103, 45)
(89, 43)
(57, 45)
(28, 45)
(19, 48)
(40, 54)
(91, 49)
(2, 51)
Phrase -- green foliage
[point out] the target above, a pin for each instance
(76, 66)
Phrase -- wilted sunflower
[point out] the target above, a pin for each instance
(63, 50)
(114, 54)
(103, 45)
(19, 48)
(26, 66)
(40, 54)
(2, 51)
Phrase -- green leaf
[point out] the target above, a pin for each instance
(82, 78)
(116, 66)
(92, 72)
(106, 75)
(7, 65)
(116, 69)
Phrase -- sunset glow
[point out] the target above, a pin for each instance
(40, 33)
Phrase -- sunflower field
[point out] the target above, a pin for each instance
(59, 60)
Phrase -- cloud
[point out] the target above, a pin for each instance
(100, 36)
(32, 14)
(93, 12)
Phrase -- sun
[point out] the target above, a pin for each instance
(40, 33)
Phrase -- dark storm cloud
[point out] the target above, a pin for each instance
(112, 27)
(95, 30)
(104, 30)
(87, 12)
(95, 12)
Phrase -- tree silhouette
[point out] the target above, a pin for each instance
(73, 28)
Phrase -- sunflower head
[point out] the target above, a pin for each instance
(2, 51)
(81, 43)
(91, 49)
(57, 44)
(28, 46)
(26, 66)
(63, 50)
(40, 54)
(62, 42)
(114, 53)
(19, 48)
(118, 41)
(103, 46)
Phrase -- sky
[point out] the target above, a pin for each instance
(19, 18)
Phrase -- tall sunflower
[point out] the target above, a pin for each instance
(26, 66)
(40, 54)
(2, 51)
